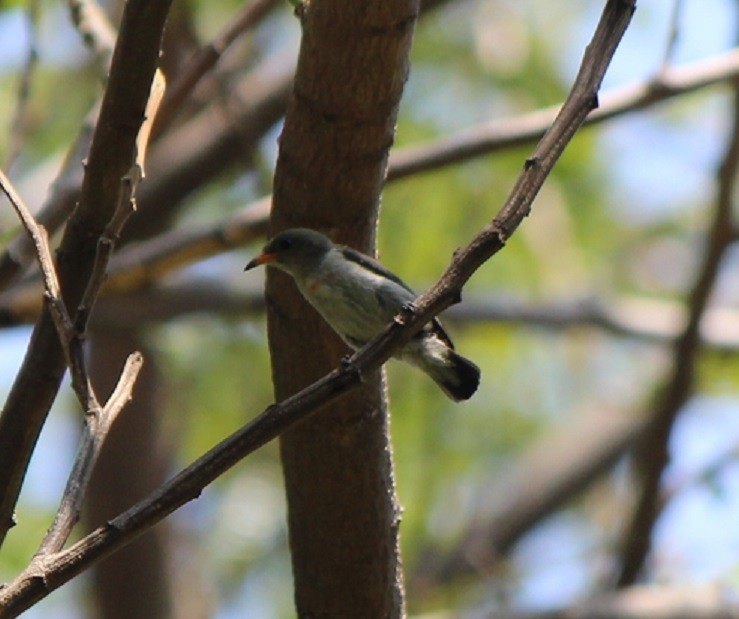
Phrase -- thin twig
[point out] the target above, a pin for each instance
(494, 136)
(61, 567)
(96, 431)
(672, 35)
(207, 57)
(106, 245)
(72, 347)
(62, 197)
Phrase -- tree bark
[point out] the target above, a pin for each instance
(343, 514)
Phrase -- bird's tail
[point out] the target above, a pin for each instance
(458, 377)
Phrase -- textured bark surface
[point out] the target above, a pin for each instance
(343, 514)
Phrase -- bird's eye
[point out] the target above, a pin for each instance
(285, 244)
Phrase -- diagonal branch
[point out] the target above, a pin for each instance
(494, 136)
(98, 418)
(97, 427)
(652, 457)
(207, 57)
(187, 485)
(52, 294)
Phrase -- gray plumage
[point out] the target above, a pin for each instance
(358, 297)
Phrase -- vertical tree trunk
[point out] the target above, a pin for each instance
(343, 515)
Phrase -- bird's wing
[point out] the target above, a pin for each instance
(438, 330)
(373, 265)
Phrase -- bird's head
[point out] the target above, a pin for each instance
(297, 251)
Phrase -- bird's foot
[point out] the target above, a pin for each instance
(347, 365)
(408, 310)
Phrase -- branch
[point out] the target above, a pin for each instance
(507, 133)
(481, 140)
(71, 345)
(64, 194)
(112, 154)
(672, 36)
(187, 485)
(142, 265)
(207, 57)
(212, 141)
(189, 157)
(106, 245)
(510, 505)
(99, 419)
(404, 162)
(641, 320)
(644, 602)
(653, 456)
(96, 431)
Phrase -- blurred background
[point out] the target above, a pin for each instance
(525, 497)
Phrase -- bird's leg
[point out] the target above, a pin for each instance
(347, 365)
(407, 311)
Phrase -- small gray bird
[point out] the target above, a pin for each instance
(358, 297)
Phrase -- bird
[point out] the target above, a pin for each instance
(358, 297)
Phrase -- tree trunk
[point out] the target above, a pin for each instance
(343, 514)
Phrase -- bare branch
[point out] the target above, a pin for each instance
(643, 602)
(142, 265)
(97, 426)
(672, 35)
(206, 58)
(498, 135)
(112, 153)
(73, 354)
(652, 457)
(105, 247)
(39, 238)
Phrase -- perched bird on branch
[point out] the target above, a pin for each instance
(358, 297)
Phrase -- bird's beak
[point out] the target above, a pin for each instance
(259, 260)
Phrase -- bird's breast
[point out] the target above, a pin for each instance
(348, 302)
